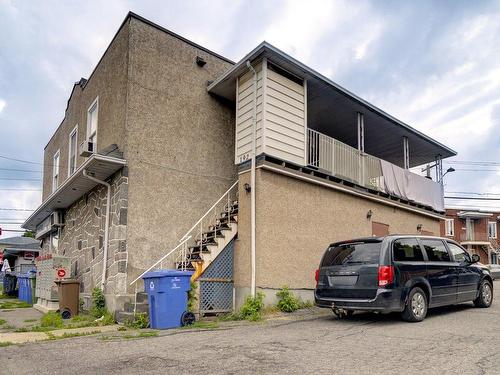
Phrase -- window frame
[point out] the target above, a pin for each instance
(452, 227)
(56, 177)
(95, 104)
(494, 225)
(73, 132)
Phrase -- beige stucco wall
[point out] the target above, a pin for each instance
(180, 142)
(109, 82)
(295, 222)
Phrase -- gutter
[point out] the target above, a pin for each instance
(106, 225)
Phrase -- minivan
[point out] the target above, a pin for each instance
(396, 273)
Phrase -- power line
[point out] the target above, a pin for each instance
(20, 179)
(13, 230)
(9, 189)
(477, 170)
(19, 170)
(472, 162)
(474, 198)
(20, 160)
(15, 209)
(470, 192)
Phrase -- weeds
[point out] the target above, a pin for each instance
(14, 305)
(202, 325)
(252, 308)
(141, 320)
(98, 303)
(287, 301)
(52, 319)
(2, 322)
(5, 343)
(192, 297)
(30, 320)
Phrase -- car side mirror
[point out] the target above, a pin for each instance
(475, 258)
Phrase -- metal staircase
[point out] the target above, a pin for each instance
(200, 246)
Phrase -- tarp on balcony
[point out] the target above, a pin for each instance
(410, 186)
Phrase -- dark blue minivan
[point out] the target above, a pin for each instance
(400, 273)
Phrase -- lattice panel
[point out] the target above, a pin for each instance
(217, 296)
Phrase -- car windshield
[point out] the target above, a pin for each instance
(352, 253)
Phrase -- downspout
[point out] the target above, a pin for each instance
(252, 179)
(106, 225)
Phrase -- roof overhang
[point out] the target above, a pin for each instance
(15, 251)
(473, 214)
(385, 140)
(98, 166)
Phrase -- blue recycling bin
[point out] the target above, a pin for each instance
(167, 297)
(26, 283)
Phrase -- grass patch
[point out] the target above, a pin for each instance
(67, 335)
(5, 343)
(2, 322)
(30, 320)
(15, 304)
(6, 296)
(141, 320)
(52, 319)
(141, 335)
(202, 325)
(121, 329)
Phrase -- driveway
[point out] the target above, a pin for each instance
(459, 339)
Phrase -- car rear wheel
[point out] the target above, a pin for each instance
(416, 307)
(485, 297)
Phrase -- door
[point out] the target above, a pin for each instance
(442, 272)
(468, 275)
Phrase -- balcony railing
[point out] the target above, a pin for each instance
(474, 236)
(345, 162)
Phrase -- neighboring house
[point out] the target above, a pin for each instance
(169, 126)
(20, 252)
(475, 230)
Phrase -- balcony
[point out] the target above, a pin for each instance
(474, 236)
(347, 163)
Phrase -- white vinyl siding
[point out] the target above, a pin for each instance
(281, 116)
(92, 122)
(492, 229)
(449, 229)
(55, 170)
(72, 146)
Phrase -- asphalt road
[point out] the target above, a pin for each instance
(459, 339)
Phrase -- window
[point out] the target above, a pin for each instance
(73, 141)
(92, 119)
(449, 227)
(55, 171)
(407, 250)
(492, 229)
(352, 253)
(459, 254)
(436, 251)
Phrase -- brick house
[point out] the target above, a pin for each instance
(475, 230)
(164, 130)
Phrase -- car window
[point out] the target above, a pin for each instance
(436, 251)
(459, 254)
(352, 253)
(407, 249)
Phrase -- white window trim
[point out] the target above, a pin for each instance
(74, 131)
(494, 225)
(58, 155)
(94, 103)
(447, 226)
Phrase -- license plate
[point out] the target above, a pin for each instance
(342, 280)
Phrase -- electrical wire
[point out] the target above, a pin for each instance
(474, 198)
(9, 189)
(20, 170)
(20, 179)
(15, 209)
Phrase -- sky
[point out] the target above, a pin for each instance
(433, 64)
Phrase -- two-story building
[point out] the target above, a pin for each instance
(476, 230)
(152, 166)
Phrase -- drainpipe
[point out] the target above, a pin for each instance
(106, 225)
(252, 178)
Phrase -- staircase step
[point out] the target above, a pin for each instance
(186, 265)
(196, 249)
(140, 307)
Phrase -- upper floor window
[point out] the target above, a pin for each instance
(92, 120)
(55, 170)
(449, 227)
(73, 141)
(436, 251)
(492, 229)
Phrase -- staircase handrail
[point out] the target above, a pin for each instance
(161, 259)
(208, 211)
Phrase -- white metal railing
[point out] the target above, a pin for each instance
(344, 161)
(195, 236)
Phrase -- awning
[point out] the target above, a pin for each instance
(17, 252)
(332, 110)
(473, 214)
(98, 166)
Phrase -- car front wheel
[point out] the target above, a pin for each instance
(485, 297)
(416, 307)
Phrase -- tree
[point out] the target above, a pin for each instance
(29, 233)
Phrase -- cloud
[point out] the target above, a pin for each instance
(3, 103)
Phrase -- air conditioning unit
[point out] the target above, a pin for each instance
(57, 219)
(86, 148)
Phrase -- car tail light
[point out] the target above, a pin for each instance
(316, 276)
(385, 275)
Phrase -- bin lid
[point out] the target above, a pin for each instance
(67, 281)
(166, 273)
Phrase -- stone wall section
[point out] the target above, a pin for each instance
(82, 237)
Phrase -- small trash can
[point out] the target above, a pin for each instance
(69, 297)
(167, 297)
